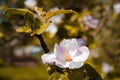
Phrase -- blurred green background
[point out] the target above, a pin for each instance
(97, 21)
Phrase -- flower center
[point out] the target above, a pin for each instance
(68, 58)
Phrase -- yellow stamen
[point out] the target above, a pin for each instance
(68, 58)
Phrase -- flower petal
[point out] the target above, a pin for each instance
(74, 65)
(81, 54)
(63, 64)
(69, 44)
(60, 52)
(81, 42)
(48, 58)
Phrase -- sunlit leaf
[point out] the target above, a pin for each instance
(42, 28)
(58, 76)
(53, 13)
(72, 30)
(50, 70)
(40, 11)
(55, 76)
(74, 17)
(14, 11)
(1, 34)
(24, 12)
(85, 12)
(64, 77)
(25, 29)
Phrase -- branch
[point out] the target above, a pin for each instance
(44, 46)
(101, 25)
(105, 18)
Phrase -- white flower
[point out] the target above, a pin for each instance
(90, 22)
(116, 8)
(48, 58)
(30, 3)
(69, 54)
(106, 67)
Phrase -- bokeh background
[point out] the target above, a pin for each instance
(97, 22)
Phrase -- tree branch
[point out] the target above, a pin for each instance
(44, 46)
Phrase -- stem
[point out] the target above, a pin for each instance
(44, 46)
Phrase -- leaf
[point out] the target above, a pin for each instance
(14, 11)
(36, 25)
(1, 34)
(53, 13)
(91, 72)
(72, 30)
(58, 76)
(25, 29)
(50, 70)
(42, 28)
(39, 27)
(29, 18)
(24, 12)
(76, 74)
(40, 11)
(64, 77)
(55, 76)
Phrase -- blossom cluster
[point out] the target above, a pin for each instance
(70, 53)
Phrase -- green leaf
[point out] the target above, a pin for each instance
(14, 11)
(36, 25)
(29, 18)
(53, 13)
(25, 29)
(91, 72)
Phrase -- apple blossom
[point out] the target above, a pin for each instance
(70, 53)
(116, 8)
(90, 22)
(30, 3)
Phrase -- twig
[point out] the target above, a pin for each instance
(105, 18)
(44, 46)
(101, 25)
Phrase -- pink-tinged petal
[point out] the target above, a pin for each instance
(74, 65)
(59, 52)
(48, 58)
(63, 64)
(69, 44)
(87, 18)
(81, 54)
